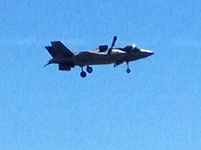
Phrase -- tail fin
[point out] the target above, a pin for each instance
(59, 49)
(52, 51)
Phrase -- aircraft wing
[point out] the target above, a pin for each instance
(60, 49)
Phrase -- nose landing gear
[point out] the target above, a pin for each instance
(128, 69)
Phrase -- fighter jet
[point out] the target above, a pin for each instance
(66, 59)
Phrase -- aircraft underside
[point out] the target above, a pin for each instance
(88, 58)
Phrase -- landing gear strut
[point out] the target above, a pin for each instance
(128, 69)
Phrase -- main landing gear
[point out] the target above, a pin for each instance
(89, 69)
(83, 73)
(128, 69)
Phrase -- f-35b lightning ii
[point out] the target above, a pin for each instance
(101, 56)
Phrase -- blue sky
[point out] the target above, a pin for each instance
(157, 106)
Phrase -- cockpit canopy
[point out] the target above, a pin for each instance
(132, 47)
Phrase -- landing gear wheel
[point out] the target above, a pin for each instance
(128, 70)
(83, 74)
(89, 69)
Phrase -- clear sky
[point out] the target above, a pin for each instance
(156, 106)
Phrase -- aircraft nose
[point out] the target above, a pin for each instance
(150, 53)
(146, 53)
